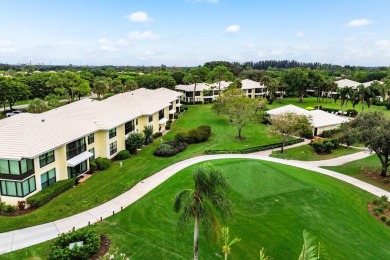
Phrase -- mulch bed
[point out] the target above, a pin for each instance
(375, 175)
(104, 246)
(386, 213)
(18, 212)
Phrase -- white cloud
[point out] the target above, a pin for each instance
(304, 47)
(300, 34)
(383, 43)
(107, 48)
(360, 52)
(358, 22)
(232, 28)
(121, 42)
(147, 35)
(103, 40)
(249, 45)
(139, 16)
(6, 47)
(276, 53)
(349, 39)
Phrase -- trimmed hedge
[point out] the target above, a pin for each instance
(60, 247)
(194, 136)
(50, 192)
(103, 163)
(123, 155)
(255, 148)
(157, 134)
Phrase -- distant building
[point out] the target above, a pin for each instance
(204, 92)
(253, 89)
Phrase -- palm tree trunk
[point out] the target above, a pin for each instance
(193, 94)
(196, 238)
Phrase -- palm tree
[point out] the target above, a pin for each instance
(227, 243)
(208, 197)
(37, 105)
(309, 251)
(100, 86)
(194, 76)
(266, 82)
(220, 73)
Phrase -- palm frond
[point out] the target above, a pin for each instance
(182, 198)
(308, 249)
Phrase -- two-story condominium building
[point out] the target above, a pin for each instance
(204, 92)
(253, 89)
(36, 150)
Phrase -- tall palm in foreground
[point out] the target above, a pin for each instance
(201, 204)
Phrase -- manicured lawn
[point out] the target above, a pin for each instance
(306, 153)
(312, 101)
(272, 205)
(355, 169)
(116, 180)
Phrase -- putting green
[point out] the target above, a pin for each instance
(253, 181)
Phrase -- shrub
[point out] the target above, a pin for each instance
(308, 134)
(6, 208)
(384, 218)
(198, 135)
(134, 142)
(103, 163)
(92, 166)
(388, 106)
(384, 205)
(254, 149)
(123, 155)
(21, 204)
(376, 212)
(384, 198)
(47, 194)
(60, 247)
(377, 201)
(169, 148)
(388, 222)
(352, 112)
(330, 133)
(157, 134)
(176, 115)
(336, 142)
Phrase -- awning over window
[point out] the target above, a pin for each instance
(162, 121)
(178, 105)
(172, 111)
(78, 159)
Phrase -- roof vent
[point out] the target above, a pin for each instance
(43, 120)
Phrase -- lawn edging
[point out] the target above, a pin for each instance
(254, 148)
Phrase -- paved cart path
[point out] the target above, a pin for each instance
(17, 239)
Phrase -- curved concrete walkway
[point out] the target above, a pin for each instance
(17, 239)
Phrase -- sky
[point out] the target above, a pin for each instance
(192, 32)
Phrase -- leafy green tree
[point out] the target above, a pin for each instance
(220, 73)
(37, 84)
(194, 76)
(240, 109)
(53, 101)
(202, 203)
(37, 105)
(287, 125)
(373, 130)
(69, 83)
(13, 90)
(134, 141)
(297, 81)
(227, 243)
(152, 81)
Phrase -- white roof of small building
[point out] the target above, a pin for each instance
(369, 83)
(289, 109)
(29, 135)
(343, 83)
(321, 118)
(250, 84)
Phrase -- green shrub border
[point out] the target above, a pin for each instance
(255, 148)
(50, 192)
